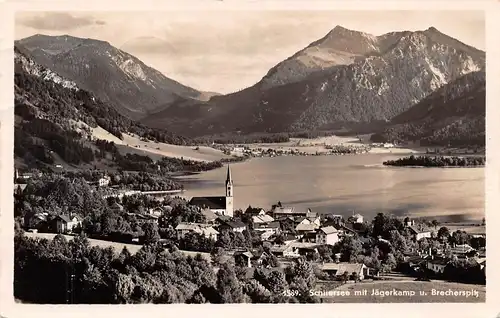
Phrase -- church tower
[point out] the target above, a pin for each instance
(229, 193)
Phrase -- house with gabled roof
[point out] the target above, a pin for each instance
(203, 229)
(233, 225)
(244, 258)
(308, 219)
(255, 211)
(66, 223)
(327, 235)
(437, 264)
(262, 218)
(117, 207)
(305, 248)
(35, 220)
(280, 211)
(419, 234)
(20, 187)
(266, 230)
(355, 218)
(158, 211)
(340, 269)
(284, 251)
(303, 228)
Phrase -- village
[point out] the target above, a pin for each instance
(343, 248)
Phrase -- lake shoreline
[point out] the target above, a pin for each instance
(432, 161)
(344, 184)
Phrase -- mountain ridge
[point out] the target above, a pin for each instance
(368, 90)
(453, 115)
(54, 119)
(112, 74)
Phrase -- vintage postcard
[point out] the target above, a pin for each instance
(247, 155)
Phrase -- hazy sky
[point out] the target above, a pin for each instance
(225, 51)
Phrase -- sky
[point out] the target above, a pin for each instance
(226, 51)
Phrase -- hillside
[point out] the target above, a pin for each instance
(113, 75)
(453, 115)
(346, 80)
(57, 121)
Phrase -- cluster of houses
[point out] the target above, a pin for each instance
(289, 232)
(435, 261)
(53, 223)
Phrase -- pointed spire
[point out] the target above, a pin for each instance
(228, 178)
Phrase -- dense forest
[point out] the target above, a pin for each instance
(135, 162)
(158, 273)
(437, 161)
(59, 104)
(453, 115)
(61, 271)
(161, 274)
(47, 114)
(234, 138)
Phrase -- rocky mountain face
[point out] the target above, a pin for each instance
(452, 115)
(54, 118)
(346, 79)
(113, 75)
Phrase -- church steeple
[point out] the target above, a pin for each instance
(229, 183)
(228, 178)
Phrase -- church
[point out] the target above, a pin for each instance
(220, 205)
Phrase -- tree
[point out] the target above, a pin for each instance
(350, 248)
(443, 234)
(390, 263)
(460, 237)
(344, 277)
(257, 292)
(435, 223)
(355, 277)
(217, 255)
(151, 234)
(228, 286)
(276, 282)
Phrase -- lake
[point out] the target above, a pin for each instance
(343, 184)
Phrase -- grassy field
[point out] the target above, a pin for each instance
(469, 228)
(134, 145)
(366, 292)
(133, 248)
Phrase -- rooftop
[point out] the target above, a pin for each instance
(328, 230)
(417, 231)
(342, 268)
(306, 227)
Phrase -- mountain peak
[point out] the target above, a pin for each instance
(432, 29)
(342, 31)
(340, 28)
(122, 79)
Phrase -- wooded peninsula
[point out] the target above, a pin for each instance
(437, 161)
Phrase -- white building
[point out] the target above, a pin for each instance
(437, 265)
(327, 235)
(104, 181)
(66, 223)
(220, 205)
(419, 234)
(203, 229)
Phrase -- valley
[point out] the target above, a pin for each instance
(132, 187)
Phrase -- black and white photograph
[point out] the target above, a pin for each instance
(249, 156)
